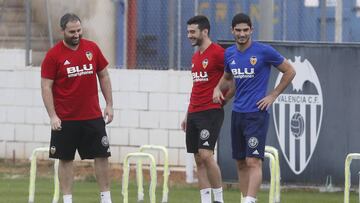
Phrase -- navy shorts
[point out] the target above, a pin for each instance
(202, 129)
(87, 136)
(248, 134)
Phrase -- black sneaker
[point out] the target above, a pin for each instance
(217, 202)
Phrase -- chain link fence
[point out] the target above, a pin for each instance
(315, 20)
(156, 35)
(152, 34)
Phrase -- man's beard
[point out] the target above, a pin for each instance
(198, 42)
(73, 41)
(242, 40)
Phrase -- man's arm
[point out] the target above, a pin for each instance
(226, 83)
(47, 96)
(288, 74)
(105, 85)
(230, 92)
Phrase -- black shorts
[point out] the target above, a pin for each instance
(248, 134)
(87, 136)
(202, 129)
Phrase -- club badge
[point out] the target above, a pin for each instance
(204, 134)
(89, 55)
(297, 115)
(105, 141)
(205, 63)
(253, 60)
(52, 150)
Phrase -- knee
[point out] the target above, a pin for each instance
(199, 162)
(65, 163)
(241, 164)
(101, 161)
(252, 162)
(206, 156)
(203, 158)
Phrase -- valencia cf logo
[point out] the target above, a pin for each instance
(253, 60)
(205, 63)
(89, 55)
(297, 115)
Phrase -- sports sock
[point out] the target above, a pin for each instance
(249, 199)
(105, 197)
(218, 194)
(205, 195)
(67, 198)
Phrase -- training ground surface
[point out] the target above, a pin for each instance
(14, 185)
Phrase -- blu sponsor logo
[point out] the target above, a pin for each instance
(200, 76)
(75, 71)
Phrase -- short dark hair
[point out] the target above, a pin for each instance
(201, 21)
(241, 18)
(69, 17)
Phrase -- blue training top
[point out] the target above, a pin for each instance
(251, 71)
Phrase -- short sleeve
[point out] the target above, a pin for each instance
(48, 67)
(101, 60)
(220, 58)
(226, 63)
(273, 57)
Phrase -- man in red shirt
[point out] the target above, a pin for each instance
(69, 75)
(204, 117)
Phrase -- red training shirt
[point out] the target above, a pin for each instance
(75, 88)
(207, 69)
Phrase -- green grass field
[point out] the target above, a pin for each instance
(14, 186)
(15, 190)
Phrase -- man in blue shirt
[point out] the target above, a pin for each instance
(249, 63)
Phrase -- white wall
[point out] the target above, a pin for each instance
(148, 105)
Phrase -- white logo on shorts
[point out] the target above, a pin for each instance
(52, 149)
(105, 141)
(206, 143)
(253, 142)
(204, 134)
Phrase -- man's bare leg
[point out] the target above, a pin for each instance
(66, 179)
(255, 175)
(213, 173)
(103, 178)
(243, 175)
(250, 176)
(204, 184)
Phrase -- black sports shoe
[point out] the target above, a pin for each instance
(217, 202)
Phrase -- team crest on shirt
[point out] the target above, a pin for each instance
(253, 60)
(89, 55)
(205, 63)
